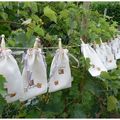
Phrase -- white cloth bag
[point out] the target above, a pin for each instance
(115, 45)
(10, 70)
(106, 56)
(60, 73)
(34, 74)
(96, 64)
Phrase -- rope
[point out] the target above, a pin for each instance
(44, 48)
(20, 50)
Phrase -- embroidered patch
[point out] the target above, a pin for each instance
(56, 82)
(110, 61)
(31, 82)
(61, 71)
(98, 68)
(107, 59)
(39, 85)
(12, 95)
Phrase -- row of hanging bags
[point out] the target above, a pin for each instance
(104, 51)
(96, 65)
(10, 70)
(33, 80)
(34, 73)
(60, 73)
(35, 76)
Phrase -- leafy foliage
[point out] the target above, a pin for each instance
(111, 103)
(88, 96)
(112, 9)
(2, 81)
(50, 14)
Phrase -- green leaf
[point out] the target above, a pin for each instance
(105, 75)
(36, 18)
(55, 104)
(87, 100)
(48, 37)
(39, 31)
(33, 113)
(26, 22)
(11, 42)
(87, 61)
(74, 91)
(111, 103)
(64, 13)
(31, 5)
(4, 15)
(2, 105)
(20, 37)
(2, 81)
(29, 33)
(92, 86)
(77, 111)
(50, 14)
(34, 7)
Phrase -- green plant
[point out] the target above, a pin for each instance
(88, 96)
(112, 9)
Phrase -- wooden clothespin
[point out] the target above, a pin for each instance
(3, 41)
(37, 43)
(81, 40)
(101, 41)
(60, 43)
(94, 44)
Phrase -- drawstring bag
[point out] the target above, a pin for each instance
(115, 45)
(96, 65)
(34, 73)
(60, 73)
(106, 56)
(10, 70)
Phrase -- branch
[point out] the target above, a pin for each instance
(9, 22)
(84, 23)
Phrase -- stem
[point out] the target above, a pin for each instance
(10, 22)
(84, 23)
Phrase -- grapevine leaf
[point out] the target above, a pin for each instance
(50, 14)
(111, 103)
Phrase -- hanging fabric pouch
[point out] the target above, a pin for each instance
(10, 70)
(96, 65)
(60, 73)
(106, 56)
(34, 73)
(115, 45)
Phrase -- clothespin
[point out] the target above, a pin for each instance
(3, 41)
(94, 44)
(81, 40)
(37, 43)
(101, 41)
(60, 43)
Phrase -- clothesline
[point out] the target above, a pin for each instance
(44, 48)
(20, 50)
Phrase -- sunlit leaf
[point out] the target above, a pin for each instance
(39, 30)
(111, 103)
(50, 14)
